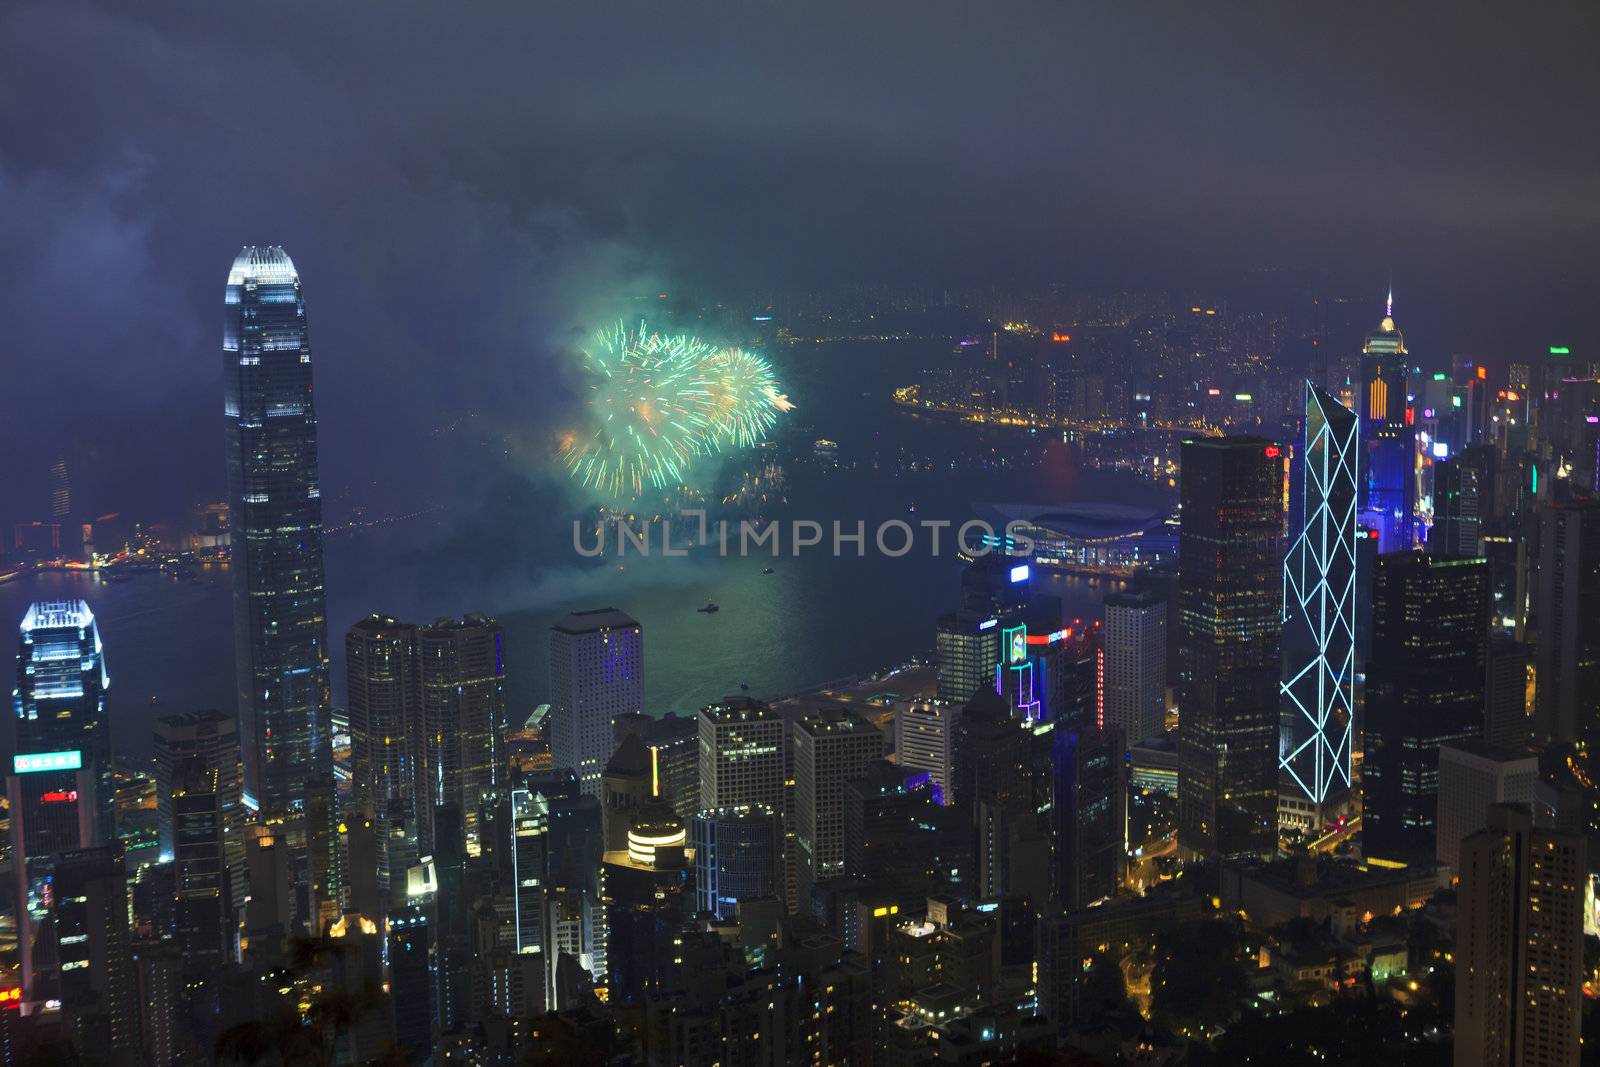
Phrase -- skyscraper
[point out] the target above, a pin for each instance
(1089, 812)
(596, 674)
(741, 756)
(1519, 945)
(385, 714)
(462, 665)
(738, 856)
(214, 738)
(832, 745)
(1317, 691)
(1135, 639)
(275, 513)
(1460, 486)
(924, 740)
(1387, 492)
(1567, 696)
(966, 646)
(1425, 687)
(60, 698)
(1230, 595)
(1472, 776)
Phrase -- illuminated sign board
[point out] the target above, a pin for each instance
(1560, 350)
(1016, 643)
(47, 761)
(1441, 450)
(1019, 573)
(57, 796)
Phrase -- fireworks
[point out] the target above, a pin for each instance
(659, 403)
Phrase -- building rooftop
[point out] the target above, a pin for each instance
(595, 621)
(263, 265)
(57, 615)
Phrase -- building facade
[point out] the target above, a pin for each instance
(275, 512)
(596, 675)
(1233, 491)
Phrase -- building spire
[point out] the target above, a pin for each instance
(1388, 307)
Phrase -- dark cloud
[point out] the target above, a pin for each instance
(465, 186)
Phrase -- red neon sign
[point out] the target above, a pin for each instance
(59, 797)
(1273, 452)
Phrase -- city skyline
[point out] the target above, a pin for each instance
(1083, 626)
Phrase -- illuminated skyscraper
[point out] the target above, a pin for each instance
(832, 745)
(1317, 691)
(1387, 492)
(60, 699)
(741, 756)
(385, 712)
(462, 664)
(1135, 640)
(1230, 597)
(280, 628)
(596, 674)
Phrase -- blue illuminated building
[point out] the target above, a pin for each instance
(1387, 493)
(1317, 692)
(60, 698)
(280, 626)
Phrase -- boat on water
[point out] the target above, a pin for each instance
(766, 570)
(711, 608)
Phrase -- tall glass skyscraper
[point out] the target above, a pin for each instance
(280, 628)
(60, 699)
(1317, 703)
(1229, 550)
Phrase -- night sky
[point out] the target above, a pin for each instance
(466, 187)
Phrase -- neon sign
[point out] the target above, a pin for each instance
(46, 761)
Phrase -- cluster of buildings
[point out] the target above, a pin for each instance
(1339, 723)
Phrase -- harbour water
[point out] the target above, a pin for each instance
(812, 619)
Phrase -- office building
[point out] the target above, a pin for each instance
(385, 710)
(895, 832)
(1317, 688)
(95, 974)
(529, 855)
(204, 905)
(1568, 646)
(1508, 711)
(213, 739)
(1460, 486)
(51, 809)
(1002, 785)
(741, 756)
(1089, 812)
(1134, 636)
(625, 787)
(1425, 688)
(966, 648)
(738, 857)
(1387, 492)
(596, 675)
(275, 515)
(832, 745)
(1472, 776)
(647, 893)
(1519, 945)
(60, 697)
(924, 740)
(462, 676)
(1230, 594)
